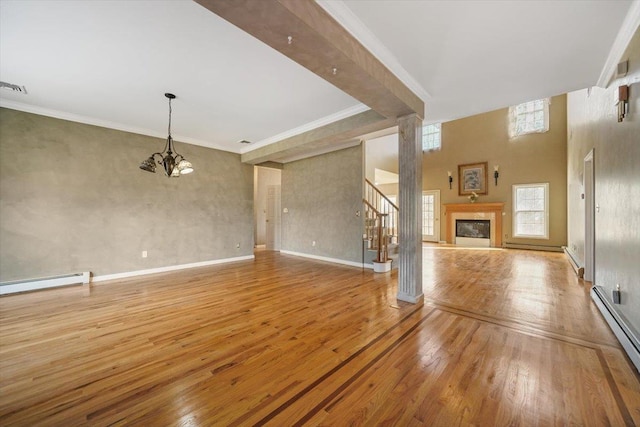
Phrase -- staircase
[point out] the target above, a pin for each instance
(380, 225)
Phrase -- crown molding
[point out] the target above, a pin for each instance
(56, 114)
(343, 114)
(345, 17)
(630, 25)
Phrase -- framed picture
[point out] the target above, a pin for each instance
(472, 178)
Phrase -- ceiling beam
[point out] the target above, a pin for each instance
(337, 135)
(320, 44)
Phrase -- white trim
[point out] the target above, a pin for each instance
(343, 114)
(345, 17)
(333, 260)
(44, 283)
(168, 268)
(588, 185)
(348, 112)
(5, 103)
(628, 28)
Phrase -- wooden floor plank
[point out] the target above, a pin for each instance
(504, 336)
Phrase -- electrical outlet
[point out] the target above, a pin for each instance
(237, 245)
(313, 243)
(144, 254)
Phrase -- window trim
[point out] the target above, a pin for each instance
(514, 223)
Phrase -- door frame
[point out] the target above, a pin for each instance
(273, 218)
(589, 217)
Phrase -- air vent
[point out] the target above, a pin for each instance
(13, 88)
(244, 141)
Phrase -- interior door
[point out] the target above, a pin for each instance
(431, 216)
(273, 218)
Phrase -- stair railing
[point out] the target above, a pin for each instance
(382, 204)
(375, 225)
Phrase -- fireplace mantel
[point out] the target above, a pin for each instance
(490, 211)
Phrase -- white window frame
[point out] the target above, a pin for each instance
(525, 113)
(514, 217)
(430, 133)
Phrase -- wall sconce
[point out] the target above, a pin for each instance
(495, 173)
(450, 179)
(623, 102)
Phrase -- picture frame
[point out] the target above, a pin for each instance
(472, 178)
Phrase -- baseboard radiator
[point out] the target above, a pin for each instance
(575, 263)
(508, 245)
(629, 340)
(44, 283)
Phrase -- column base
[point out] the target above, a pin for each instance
(410, 298)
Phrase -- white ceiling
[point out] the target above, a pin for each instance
(110, 62)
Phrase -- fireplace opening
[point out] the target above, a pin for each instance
(473, 228)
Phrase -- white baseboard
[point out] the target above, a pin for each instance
(168, 268)
(333, 260)
(576, 264)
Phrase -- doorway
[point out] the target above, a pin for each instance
(266, 206)
(431, 216)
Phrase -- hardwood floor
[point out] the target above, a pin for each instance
(505, 337)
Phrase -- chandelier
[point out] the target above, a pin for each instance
(174, 164)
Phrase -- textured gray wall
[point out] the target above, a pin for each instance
(72, 198)
(593, 124)
(322, 195)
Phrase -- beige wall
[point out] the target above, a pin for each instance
(593, 125)
(382, 153)
(72, 198)
(534, 158)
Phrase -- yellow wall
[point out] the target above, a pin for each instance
(533, 158)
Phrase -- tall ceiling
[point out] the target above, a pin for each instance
(109, 63)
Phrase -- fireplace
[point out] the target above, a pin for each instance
(474, 213)
(473, 228)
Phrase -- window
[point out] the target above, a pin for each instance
(431, 137)
(428, 214)
(530, 117)
(531, 211)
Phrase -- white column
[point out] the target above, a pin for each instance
(410, 215)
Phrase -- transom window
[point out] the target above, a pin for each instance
(431, 139)
(529, 117)
(531, 211)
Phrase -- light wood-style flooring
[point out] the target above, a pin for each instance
(505, 337)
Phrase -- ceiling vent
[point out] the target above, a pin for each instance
(244, 141)
(13, 88)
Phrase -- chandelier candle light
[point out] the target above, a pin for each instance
(174, 164)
